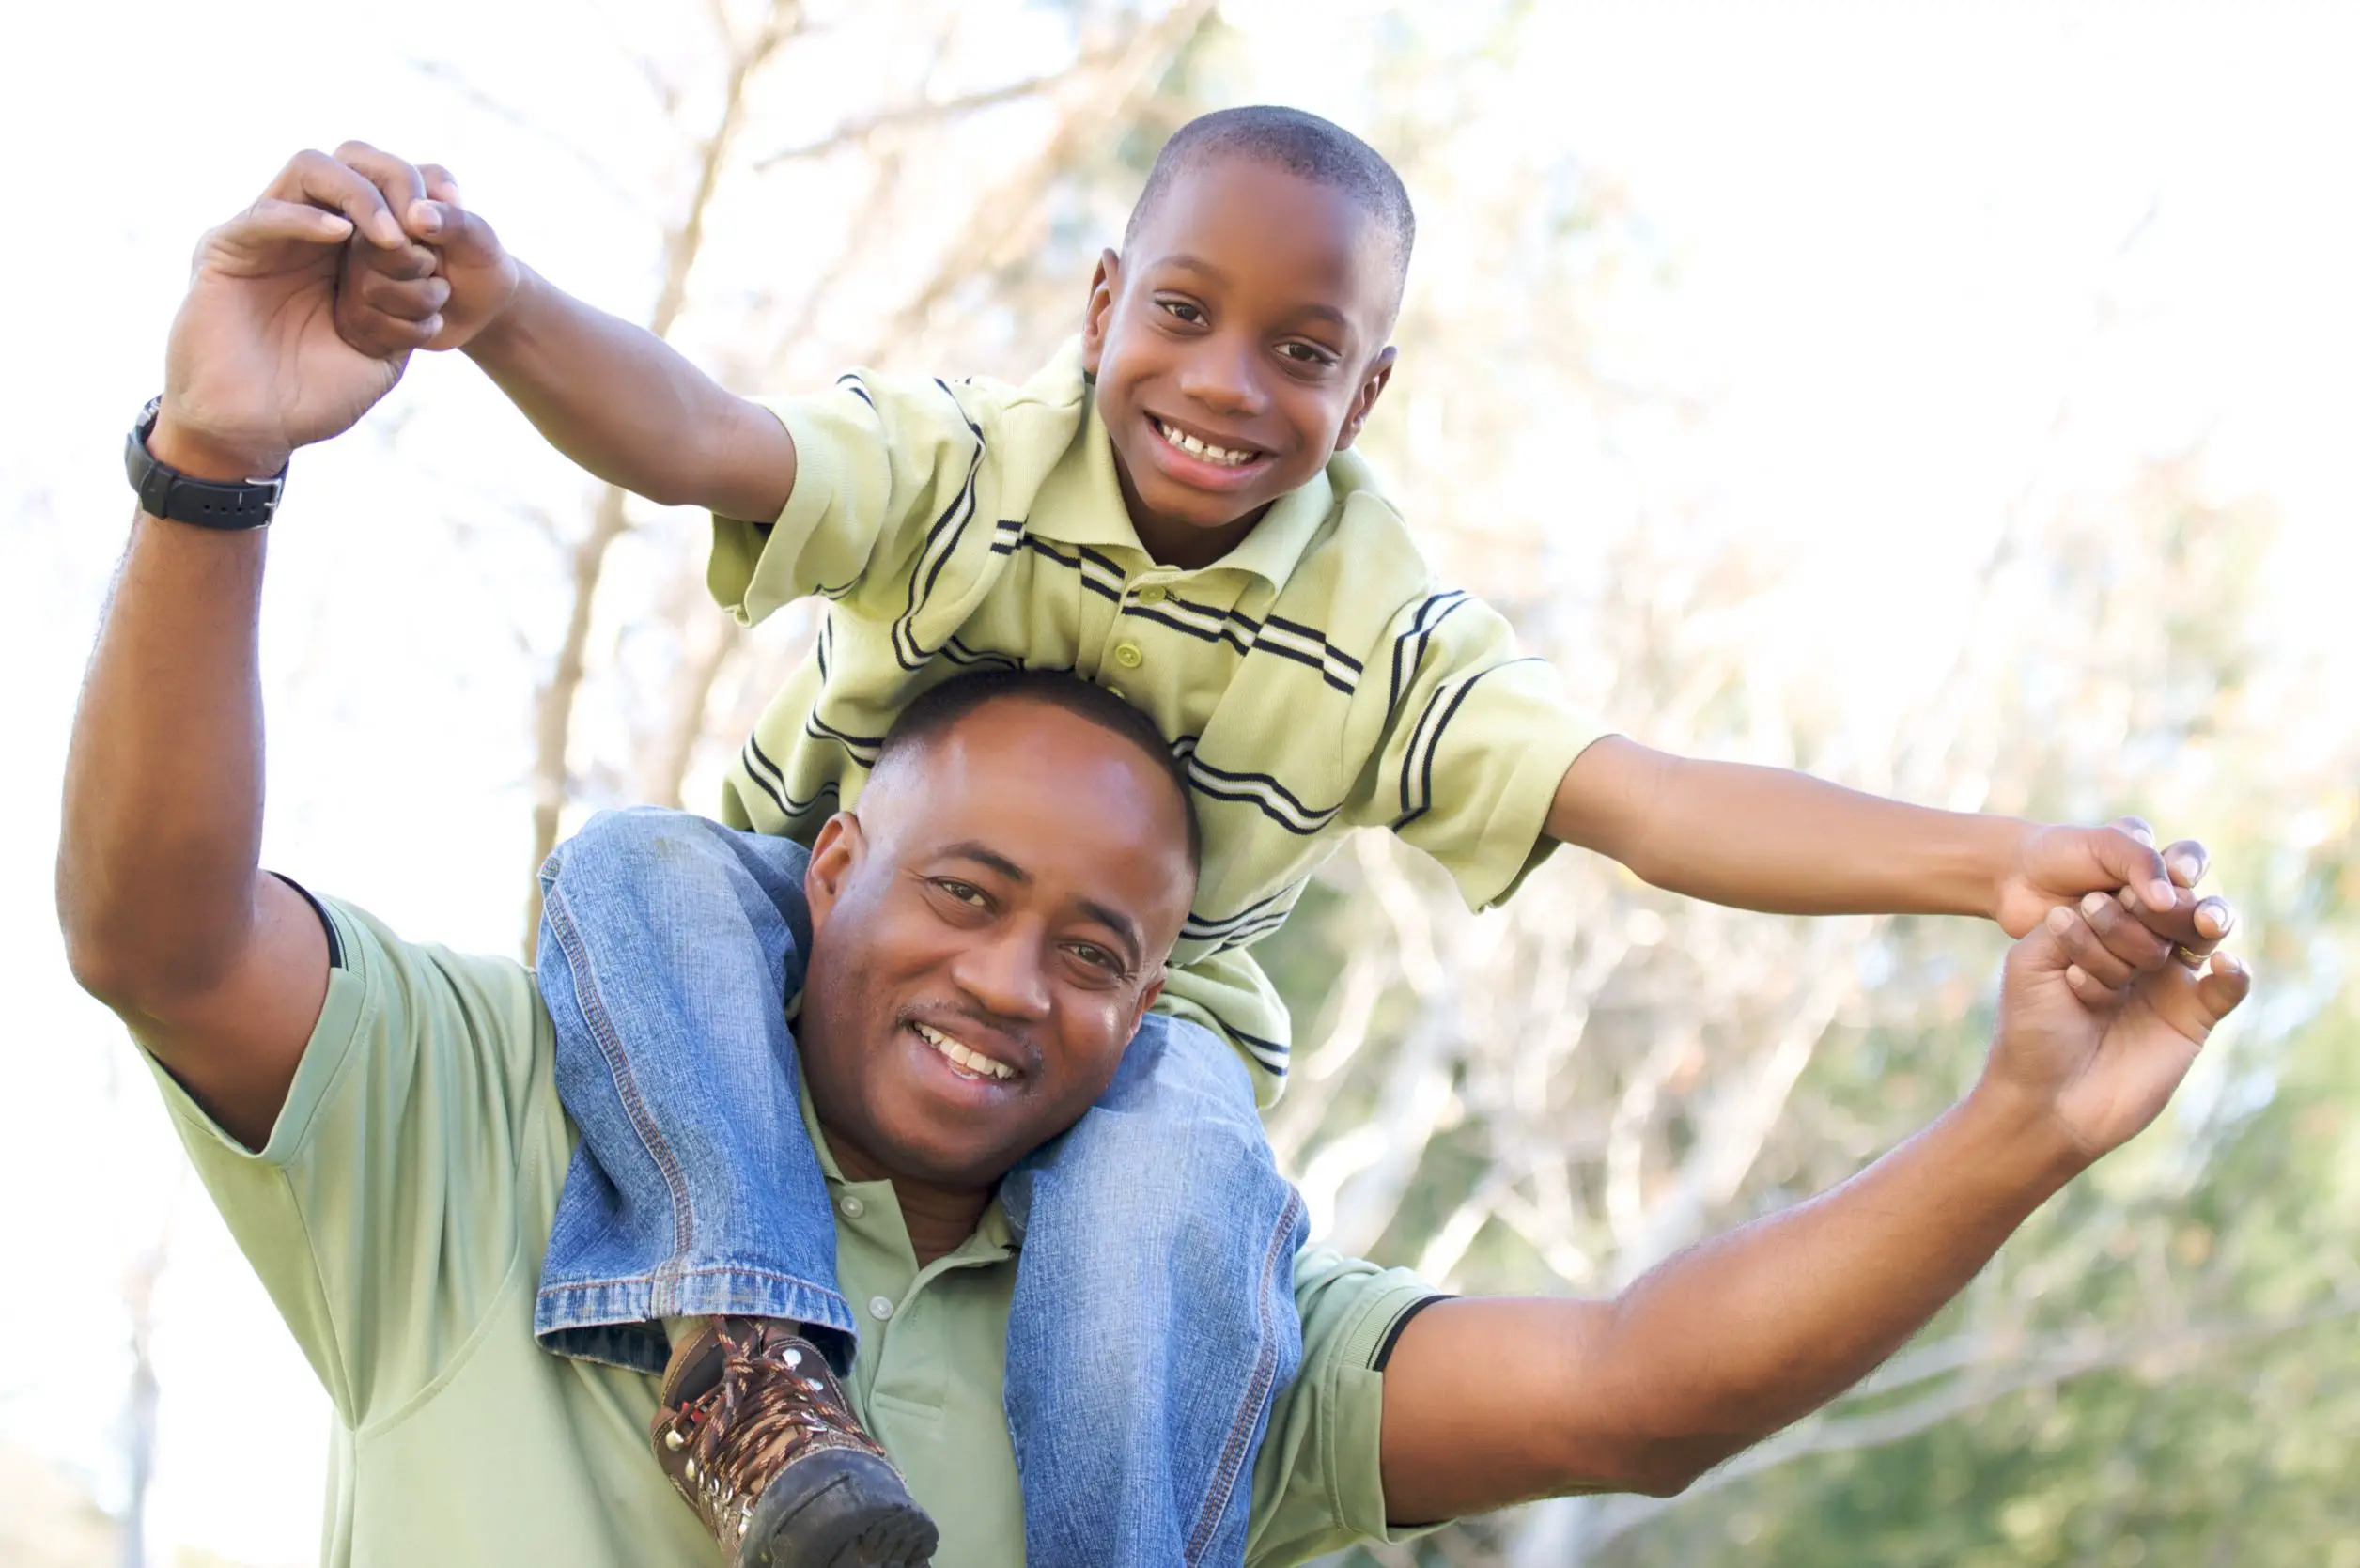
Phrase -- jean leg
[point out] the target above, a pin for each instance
(1155, 1318)
(669, 947)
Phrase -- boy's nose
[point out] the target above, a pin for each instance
(1223, 382)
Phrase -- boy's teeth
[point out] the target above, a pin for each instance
(974, 1061)
(1196, 449)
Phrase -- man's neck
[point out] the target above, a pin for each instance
(938, 1218)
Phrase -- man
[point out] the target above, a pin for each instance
(380, 1123)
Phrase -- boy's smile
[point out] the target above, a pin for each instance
(1237, 347)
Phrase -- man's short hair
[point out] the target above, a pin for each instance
(938, 709)
(1304, 146)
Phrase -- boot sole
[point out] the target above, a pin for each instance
(841, 1509)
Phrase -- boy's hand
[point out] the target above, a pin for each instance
(456, 273)
(2059, 866)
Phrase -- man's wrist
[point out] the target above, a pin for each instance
(503, 331)
(200, 457)
(2021, 1144)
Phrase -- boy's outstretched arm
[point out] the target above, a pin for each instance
(613, 397)
(1765, 838)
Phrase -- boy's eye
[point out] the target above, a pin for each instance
(1307, 353)
(1182, 310)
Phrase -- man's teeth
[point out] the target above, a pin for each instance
(974, 1061)
(1204, 451)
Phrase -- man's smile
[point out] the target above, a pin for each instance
(965, 1059)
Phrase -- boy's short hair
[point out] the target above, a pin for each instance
(1304, 146)
(936, 711)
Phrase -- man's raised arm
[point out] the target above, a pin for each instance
(1489, 1403)
(167, 919)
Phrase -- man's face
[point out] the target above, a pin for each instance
(987, 932)
(1249, 316)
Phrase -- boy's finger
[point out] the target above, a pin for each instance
(2120, 933)
(404, 300)
(2088, 992)
(441, 186)
(406, 262)
(2125, 849)
(454, 230)
(2187, 860)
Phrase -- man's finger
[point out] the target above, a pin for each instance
(2122, 934)
(2126, 849)
(410, 262)
(394, 177)
(320, 180)
(2187, 860)
(2085, 951)
(271, 219)
(2089, 991)
(2195, 1004)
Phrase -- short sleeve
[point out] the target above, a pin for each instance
(1317, 1484)
(382, 1212)
(878, 463)
(1475, 739)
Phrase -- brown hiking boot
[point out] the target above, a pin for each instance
(756, 1434)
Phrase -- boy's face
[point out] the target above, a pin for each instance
(1237, 346)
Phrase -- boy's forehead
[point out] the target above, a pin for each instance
(1248, 218)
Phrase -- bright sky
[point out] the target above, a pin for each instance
(1902, 239)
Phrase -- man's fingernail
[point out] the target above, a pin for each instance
(2092, 901)
(424, 218)
(2161, 892)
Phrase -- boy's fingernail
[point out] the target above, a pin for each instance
(2161, 892)
(2092, 901)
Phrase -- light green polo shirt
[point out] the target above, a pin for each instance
(398, 1216)
(1316, 679)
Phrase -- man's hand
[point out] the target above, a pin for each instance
(255, 366)
(2090, 1046)
(2056, 866)
(467, 277)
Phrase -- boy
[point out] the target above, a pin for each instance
(1170, 510)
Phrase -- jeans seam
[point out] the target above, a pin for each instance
(1257, 1394)
(601, 1029)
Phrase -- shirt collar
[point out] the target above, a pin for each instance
(994, 1237)
(1080, 503)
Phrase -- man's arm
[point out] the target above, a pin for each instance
(1765, 838)
(167, 917)
(1489, 1403)
(613, 397)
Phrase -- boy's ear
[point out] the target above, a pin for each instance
(1380, 371)
(834, 855)
(1104, 284)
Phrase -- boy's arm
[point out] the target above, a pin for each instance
(1764, 838)
(613, 397)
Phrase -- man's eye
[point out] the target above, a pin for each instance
(966, 892)
(1096, 956)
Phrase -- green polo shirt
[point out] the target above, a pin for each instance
(398, 1216)
(1314, 679)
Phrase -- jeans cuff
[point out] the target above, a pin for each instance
(618, 1321)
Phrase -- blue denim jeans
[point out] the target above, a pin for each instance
(1153, 1319)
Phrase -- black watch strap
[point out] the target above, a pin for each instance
(168, 492)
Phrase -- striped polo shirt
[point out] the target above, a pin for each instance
(1316, 678)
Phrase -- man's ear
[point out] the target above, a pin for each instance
(1147, 996)
(835, 854)
(1104, 284)
(1380, 371)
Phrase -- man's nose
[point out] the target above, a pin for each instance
(1003, 973)
(1220, 377)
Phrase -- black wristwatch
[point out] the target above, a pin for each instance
(168, 492)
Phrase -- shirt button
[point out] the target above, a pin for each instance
(853, 1208)
(1152, 594)
(1128, 656)
(880, 1308)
